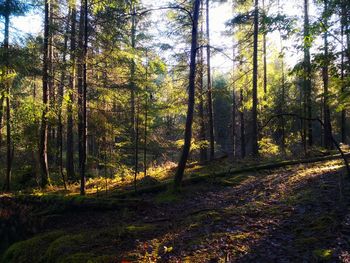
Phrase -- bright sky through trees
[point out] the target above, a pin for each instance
(220, 14)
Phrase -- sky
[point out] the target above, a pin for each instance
(219, 14)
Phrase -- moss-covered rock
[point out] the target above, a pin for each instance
(30, 250)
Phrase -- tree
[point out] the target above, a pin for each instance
(8, 8)
(60, 99)
(209, 84)
(44, 124)
(202, 135)
(325, 76)
(191, 92)
(307, 74)
(255, 147)
(82, 86)
(70, 91)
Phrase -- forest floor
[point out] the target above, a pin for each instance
(297, 213)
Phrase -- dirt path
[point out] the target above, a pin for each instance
(293, 214)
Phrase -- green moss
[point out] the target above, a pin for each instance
(233, 180)
(302, 197)
(30, 250)
(212, 215)
(167, 197)
(140, 228)
(322, 254)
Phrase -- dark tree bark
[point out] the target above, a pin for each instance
(210, 91)
(234, 106)
(51, 71)
(255, 146)
(136, 167)
(70, 90)
(145, 138)
(191, 96)
(203, 155)
(326, 112)
(84, 159)
(60, 101)
(307, 69)
(44, 121)
(241, 114)
(344, 22)
(264, 50)
(133, 88)
(2, 97)
(282, 122)
(8, 105)
(283, 87)
(82, 49)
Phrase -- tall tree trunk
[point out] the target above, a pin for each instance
(255, 147)
(343, 29)
(191, 95)
(136, 168)
(203, 149)
(264, 49)
(283, 86)
(2, 97)
(307, 68)
(84, 157)
(210, 91)
(327, 118)
(82, 95)
(233, 106)
(133, 85)
(70, 139)
(44, 121)
(51, 70)
(60, 101)
(145, 139)
(8, 105)
(241, 114)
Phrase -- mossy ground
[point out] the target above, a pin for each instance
(295, 214)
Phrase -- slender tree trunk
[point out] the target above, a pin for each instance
(264, 50)
(145, 139)
(191, 95)
(51, 72)
(210, 91)
(307, 68)
(8, 105)
(2, 97)
(202, 137)
(343, 28)
(241, 114)
(233, 106)
(283, 139)
(44, 121)
(283, 82)
(327, 122)
(255, 147)
(60, 101)
(85, 119)
(81, 97)
(133, 86)
(70, 139)
(136, 168)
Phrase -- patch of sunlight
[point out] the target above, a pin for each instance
(315, 170)
(322, 254)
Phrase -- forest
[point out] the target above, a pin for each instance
(174, 131)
